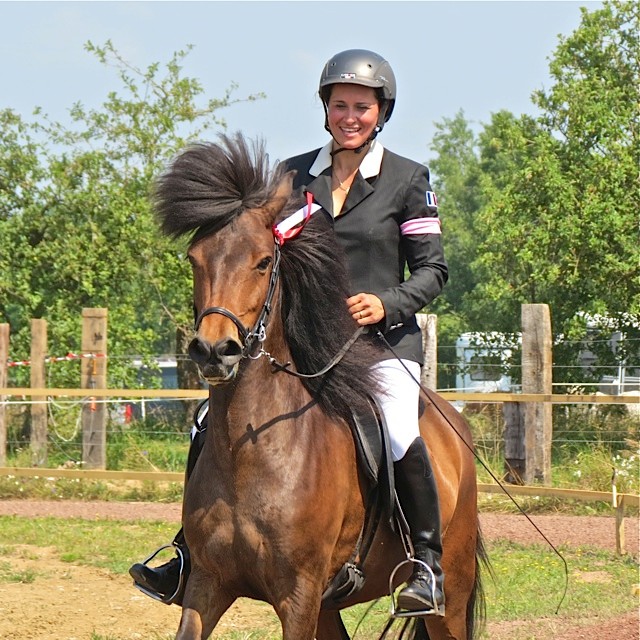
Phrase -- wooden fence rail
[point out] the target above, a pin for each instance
(487, 398)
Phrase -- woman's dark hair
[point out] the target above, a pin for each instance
(325, 95)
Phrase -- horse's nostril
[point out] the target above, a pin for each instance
(199, 351)
(228, 351)
(228, 348)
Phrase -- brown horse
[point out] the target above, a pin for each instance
(275, 504)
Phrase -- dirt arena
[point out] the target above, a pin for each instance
(69, 602)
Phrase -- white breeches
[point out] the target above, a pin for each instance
(399, 399)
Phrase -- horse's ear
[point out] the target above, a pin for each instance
(286, 185)
(280, 197)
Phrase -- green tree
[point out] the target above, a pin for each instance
(572, 193)
(560, 223)
(457, 181)
(76, 213)
(545, 209)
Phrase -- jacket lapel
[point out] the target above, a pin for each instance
(320, 187)
(360, 189)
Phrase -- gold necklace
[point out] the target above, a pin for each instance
(341, 183)
(341, 186)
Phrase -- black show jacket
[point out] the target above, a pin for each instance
(388, 190)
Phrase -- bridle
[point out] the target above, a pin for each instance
(253, 339)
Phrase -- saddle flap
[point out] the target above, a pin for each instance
(373, 452)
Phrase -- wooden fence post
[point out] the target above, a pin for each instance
(93, 375)
(514, 449)
(428, 324)
(39, 403)
(619, 505)
(537, 378)
(4, 357)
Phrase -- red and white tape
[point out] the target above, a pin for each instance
(69, 356)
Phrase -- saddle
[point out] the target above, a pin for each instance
(374, 460)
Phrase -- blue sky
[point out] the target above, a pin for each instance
(476, 56)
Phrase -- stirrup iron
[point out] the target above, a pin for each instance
(166, 599)
(395, 612)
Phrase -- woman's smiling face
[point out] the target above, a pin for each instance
(353, 112)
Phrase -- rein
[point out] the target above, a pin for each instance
(253, 339)
(332, 363)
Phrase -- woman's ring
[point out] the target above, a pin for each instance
(360, 315)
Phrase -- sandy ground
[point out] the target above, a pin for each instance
(69, 602)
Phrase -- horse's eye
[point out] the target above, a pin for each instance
(263, 265)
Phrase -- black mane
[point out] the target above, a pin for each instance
(207, 187)
(316, 321)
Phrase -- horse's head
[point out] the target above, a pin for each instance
(228, 196)
(234, 285)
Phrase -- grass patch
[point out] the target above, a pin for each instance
(9, 574)
(98, 543)
(528, 583)
(43, 488)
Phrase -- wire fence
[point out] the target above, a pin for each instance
(578, 420)
(147, 428)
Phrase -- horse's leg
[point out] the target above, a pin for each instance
(300, 610)
(203, 605)
(419, 631)
(440, 629)
(331, 627)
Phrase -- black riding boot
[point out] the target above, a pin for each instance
(167, 581)
(418, 495)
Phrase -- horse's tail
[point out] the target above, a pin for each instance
(477, 607)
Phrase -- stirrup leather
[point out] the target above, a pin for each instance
(166, 599)
(434, 610)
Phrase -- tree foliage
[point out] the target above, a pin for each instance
(457, 181)
(76, 224)
(555, 218)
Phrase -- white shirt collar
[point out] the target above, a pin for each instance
(369, 167)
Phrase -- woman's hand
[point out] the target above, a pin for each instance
(365, 308)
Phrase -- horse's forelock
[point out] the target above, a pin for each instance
(209, 184)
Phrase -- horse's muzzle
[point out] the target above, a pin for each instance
(217, 363)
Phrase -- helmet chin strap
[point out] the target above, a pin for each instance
(359, 149)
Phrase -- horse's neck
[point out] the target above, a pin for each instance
(259, 397)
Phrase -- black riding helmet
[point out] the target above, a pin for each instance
(366, 68)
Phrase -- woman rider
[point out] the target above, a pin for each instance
(385, 217)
